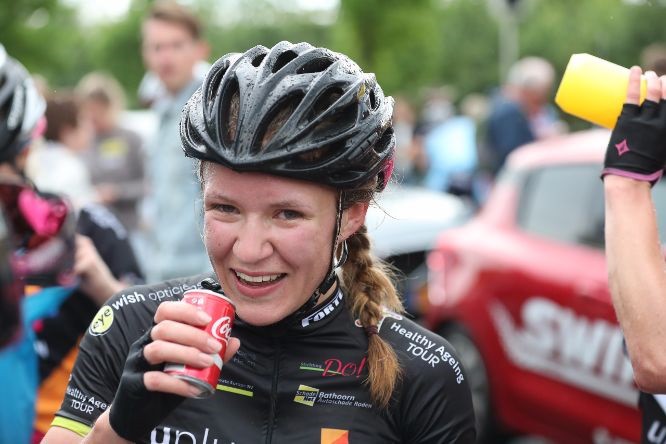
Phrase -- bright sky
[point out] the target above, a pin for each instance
(92, 11)
(99, 11)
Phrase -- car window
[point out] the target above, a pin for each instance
(564, 203)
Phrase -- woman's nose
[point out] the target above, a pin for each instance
(252, 242)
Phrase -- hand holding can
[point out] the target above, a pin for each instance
(222, 311)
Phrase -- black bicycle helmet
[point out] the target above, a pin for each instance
(21, 107)
(294, 110)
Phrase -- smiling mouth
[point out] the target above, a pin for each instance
(258, 281)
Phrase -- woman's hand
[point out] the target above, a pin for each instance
(178, 338)
(146, 394)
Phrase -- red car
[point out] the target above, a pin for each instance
(521, 292)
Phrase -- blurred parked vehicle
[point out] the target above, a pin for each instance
(403, 227)
(521, 292)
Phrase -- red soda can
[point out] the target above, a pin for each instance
(222, 311)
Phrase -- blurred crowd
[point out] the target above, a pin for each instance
(444, 142)
(458, 145)
(95, 150)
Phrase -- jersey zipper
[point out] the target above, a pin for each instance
(274, 394)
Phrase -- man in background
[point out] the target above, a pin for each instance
(172, 46)
(522, 112)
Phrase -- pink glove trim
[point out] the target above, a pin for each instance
(652, 178)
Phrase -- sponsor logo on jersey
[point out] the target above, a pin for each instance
(656, 433)
(336, 367)
(323, 312)
(431, 352)
(127, 299)
(306, 395)
(164, 435)
(557, 342)
(102, 321)
(170, 293)
(82, 402)
(229, 386)
(653, 408)
(245, 358)
(334, 436)
(310, 396)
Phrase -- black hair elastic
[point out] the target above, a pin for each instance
(371, 330)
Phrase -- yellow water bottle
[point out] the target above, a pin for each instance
(594, 89)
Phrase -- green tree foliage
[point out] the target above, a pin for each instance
(408, 44)
(115, 47)
(395, 39)
(45, 36)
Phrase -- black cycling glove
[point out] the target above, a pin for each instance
(136, 411)
(637, 147)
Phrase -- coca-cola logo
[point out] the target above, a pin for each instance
(221, 328)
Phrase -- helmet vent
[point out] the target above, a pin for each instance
(258, 59)
(214, 85)
(339, 121)
(373, 100)
(384, 141)
(281, 114)
(316, 65)
(325, 100)
(196, 139)
(229, 119)
(283, 59)
(317, 154)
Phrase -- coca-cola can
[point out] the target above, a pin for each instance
(222, 311)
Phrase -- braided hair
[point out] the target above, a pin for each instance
(368, 283)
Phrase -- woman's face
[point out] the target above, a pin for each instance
(269, 239)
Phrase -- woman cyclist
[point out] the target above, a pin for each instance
(292, 144)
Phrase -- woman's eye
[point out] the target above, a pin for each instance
(290, 214)
(222, 208)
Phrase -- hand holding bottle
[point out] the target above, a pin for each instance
(637, 147)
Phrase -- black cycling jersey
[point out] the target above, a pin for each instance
(653, 410)
(298, 384)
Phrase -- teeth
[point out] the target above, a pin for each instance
(258, 279)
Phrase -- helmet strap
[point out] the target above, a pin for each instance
(331, 276)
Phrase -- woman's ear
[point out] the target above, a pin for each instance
(352, 219)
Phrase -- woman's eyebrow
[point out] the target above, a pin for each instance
(290, 203)
(284, 203)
